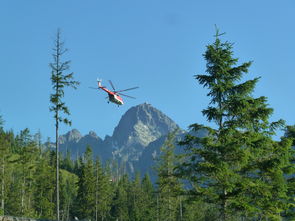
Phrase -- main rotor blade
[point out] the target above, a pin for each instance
(94, 88)
(111, 83)
(128, 89)
(126, 95)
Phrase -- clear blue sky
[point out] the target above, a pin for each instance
(154, 44)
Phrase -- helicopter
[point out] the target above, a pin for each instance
(114, 96)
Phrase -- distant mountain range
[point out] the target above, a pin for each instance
(135, 142)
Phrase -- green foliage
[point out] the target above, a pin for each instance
(149, 208)
(30, 188)
(136, 199)
(290, 213)
(5, 157)
(85, 201)
(290, 133)
(169, 186)
(60, 81)
(68, 194)
(199, 211)
(44, 188)
(237, 166)
(103, 192)
(119, 209)
(67, 163)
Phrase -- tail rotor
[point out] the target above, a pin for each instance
(99, 82)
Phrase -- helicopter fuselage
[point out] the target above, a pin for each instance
(113, 97)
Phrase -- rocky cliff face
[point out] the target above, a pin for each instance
(141, 125)
(138, 127)
(72, 136)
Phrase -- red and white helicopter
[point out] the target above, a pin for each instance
(114, 96)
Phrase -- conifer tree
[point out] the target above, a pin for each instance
(120, 201)
(67, 163)
(237, 166)
(44, 188)
(149, 208)
(28, 154)
(85, 202)
(68, 189)
(103, 192)
(290, 213)
(136, 199)
(59, 80)
(5, 153)
(169, 186)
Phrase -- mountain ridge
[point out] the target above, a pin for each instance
(138, 127)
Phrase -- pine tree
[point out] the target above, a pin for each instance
(5, 153)
(120, 201)
(85, 206)
(59, 82)
(67, 163)
(136, 199)
(44, 188)
(290, 213)
(149, 207)
(28, 155)
(237, 166)
(103, 192)
(169, 186)
(20, 198)
(68, 189)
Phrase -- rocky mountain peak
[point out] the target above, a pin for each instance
(72, 136)
(92, 134)
(141, 125)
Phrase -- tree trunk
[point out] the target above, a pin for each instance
(223, 207)
(96, 194)
(2, 187)
(57, 168)
(180, 208)
(158, 208)
(23, 196)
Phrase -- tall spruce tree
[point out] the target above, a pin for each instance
(149, 208)
(85, 202)
(103, 192)
(44, 188)
(68, 189)
(136, 199)
(28, 155)
(119, 209)
(5, 153)
(290, 213)
(59, 80)
(237, 166)
(169, 186)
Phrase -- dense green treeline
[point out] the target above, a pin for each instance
(88, 190)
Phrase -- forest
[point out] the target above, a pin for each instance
(236, 172)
